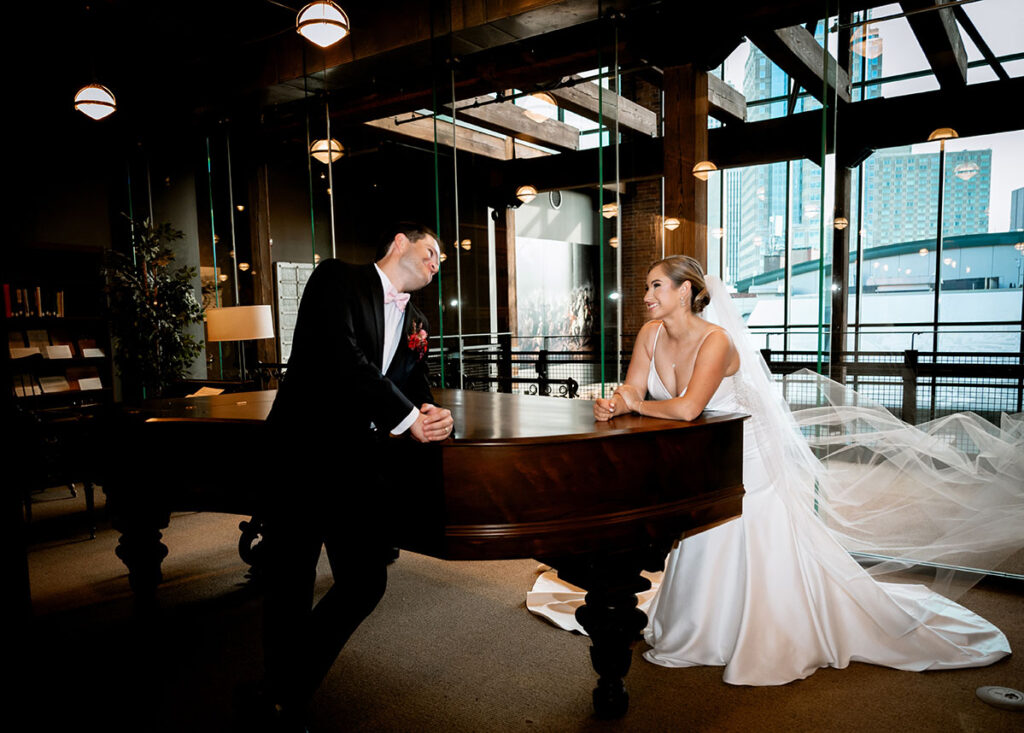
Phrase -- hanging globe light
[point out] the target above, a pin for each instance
(841, 222)
(610, 210)
(526, 194)
(966, 170)
(323, 23)
(671, 223)
(466, 244)
(704, 169)
(866, 42)
(613, 242)
(326, 150)
(95, 101)
(540, 115)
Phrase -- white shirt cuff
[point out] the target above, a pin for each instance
(406, 423)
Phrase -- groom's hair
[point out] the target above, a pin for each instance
(413, 230)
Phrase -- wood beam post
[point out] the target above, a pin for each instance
(685, 144)
(262, 255)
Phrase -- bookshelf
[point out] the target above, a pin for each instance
(58, 338)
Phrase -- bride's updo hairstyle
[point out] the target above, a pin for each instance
(681, 268)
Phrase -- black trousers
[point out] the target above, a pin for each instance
(336, 509)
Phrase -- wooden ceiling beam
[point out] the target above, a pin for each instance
(582, 99)
(797, 53)
(939, 37)
(725, 104)
(508, 119)
(467, 140)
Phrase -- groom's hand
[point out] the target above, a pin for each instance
(433, 424)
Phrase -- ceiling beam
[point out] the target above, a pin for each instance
(796, 52)
(863, 127)
(468, 141)
(582, 99)
(725, 104)
(508, 119)
(940, 40)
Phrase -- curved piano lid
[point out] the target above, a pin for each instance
(490, 418)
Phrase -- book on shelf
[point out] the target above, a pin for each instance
(89, 350)
(54, 384)
(84, 378)
(16, 339)
(25, 385)
(59, 351)
(20, 352)
(38, 337)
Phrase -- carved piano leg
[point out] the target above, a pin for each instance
(140, 548)
(611, 618)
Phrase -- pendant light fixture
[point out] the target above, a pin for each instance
(526, 194)
(704, 169)
(323, 23)
(95, 101)
(539, 115)
(840, 223)
(671, 223)
(610, 210)
(613, 242)
(326, 150)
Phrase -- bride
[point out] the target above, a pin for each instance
(775, 594)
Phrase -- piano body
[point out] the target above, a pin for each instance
(521, 477)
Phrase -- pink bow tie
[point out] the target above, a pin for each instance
(399, 299)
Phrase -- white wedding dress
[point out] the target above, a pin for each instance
(773, 595)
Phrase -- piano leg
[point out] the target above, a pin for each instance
(139, 546)
(610, 617)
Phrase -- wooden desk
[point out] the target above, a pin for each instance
(521, 477)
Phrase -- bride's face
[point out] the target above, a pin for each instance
(662, 297)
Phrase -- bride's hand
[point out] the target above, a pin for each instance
(604, 410)
(629, 396)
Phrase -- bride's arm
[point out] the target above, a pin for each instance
(634, 388)
(713, 360)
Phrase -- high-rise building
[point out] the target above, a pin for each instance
(901, 194)
(758, 196)
(1017, 209)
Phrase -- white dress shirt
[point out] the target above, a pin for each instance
(393, 321)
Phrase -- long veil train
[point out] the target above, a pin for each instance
(844, 476)
(939, 496)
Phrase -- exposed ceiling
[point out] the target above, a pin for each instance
(203, 61)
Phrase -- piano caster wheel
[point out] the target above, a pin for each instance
(611, 700)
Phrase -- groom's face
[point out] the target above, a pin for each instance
(419, 260)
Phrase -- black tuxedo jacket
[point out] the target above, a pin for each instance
(333, 385)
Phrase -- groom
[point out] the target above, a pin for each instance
(357, 374)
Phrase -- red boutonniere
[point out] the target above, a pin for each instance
(418, 341)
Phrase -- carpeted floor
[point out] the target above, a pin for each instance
(450, 648)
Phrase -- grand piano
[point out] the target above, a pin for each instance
(521, 477)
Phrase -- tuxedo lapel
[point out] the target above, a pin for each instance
(375, 303)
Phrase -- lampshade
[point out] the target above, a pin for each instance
(526, 194)
(703, 169)
(943, 133)
(671, 223)
(239, 323)
(326, 150)
(95, 101)
(323, 23)
(610, 210)
(539, 115)
(866, 42)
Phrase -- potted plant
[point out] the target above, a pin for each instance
(152, 303)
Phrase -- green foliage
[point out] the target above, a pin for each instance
(151, 305)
